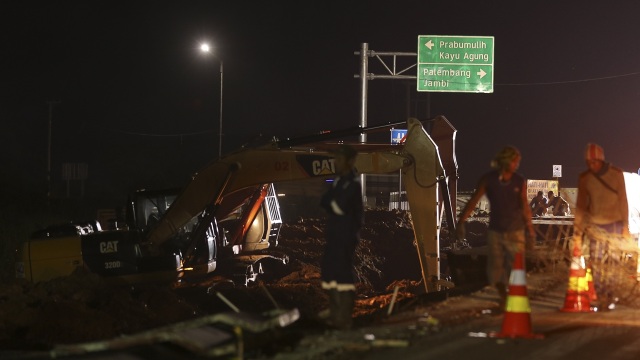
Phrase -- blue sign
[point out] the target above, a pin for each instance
(398, 136)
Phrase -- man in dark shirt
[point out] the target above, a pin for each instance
(343, 203)
(538, 204)
(509, 217)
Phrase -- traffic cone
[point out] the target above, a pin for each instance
(578, 297)
(517, 317)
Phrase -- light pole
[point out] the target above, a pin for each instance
(205, 48)
(51, 104)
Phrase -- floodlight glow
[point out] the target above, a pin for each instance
(204, 47)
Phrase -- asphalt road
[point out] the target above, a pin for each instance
(452, 329)
(580, 336)
(611, 335)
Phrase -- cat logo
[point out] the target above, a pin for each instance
(107, 247)
(323, 167)
(316, 165)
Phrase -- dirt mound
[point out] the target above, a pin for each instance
(83, 307)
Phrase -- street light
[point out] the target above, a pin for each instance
(205, 48)
(51, 104)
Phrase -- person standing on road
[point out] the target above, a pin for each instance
(602, 203)
(343, 203)
(509, 217)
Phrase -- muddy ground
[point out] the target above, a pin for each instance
(82, 307)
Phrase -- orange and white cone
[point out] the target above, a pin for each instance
(517, 317)
(578, 297)
(593, 296)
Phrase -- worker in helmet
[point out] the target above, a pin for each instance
(602, 204)
(343, 204)
(509, 219)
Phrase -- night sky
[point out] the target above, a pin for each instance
(138, 103)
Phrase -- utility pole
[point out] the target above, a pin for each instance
(393, 73)
(364, 82)
(220, 118)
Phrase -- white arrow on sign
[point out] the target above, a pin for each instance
(481, 73)
(429, 44)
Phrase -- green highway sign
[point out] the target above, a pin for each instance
(455, 63)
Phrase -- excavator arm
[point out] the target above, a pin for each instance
(418, 159)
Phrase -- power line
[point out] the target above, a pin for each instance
(147, 134)
(163, 135)
(572, 81)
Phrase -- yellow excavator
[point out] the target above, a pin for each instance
(228, 216)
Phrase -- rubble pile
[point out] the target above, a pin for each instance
(386, 251)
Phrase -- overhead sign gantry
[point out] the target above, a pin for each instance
(455, 63)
